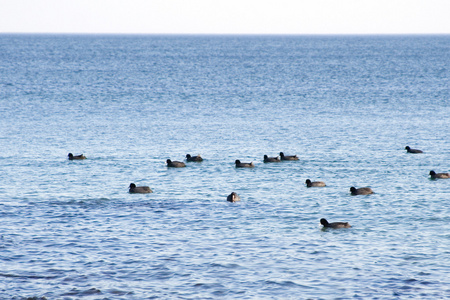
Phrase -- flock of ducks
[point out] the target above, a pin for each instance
(234, 197)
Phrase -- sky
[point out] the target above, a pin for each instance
(226, 17)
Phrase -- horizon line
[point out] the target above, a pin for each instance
(226, 34)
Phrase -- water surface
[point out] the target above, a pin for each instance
(346, 105)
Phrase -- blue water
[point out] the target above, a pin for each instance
(346, 105)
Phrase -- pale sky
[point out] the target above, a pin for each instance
(226, 17)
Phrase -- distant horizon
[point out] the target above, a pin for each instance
(226, 34)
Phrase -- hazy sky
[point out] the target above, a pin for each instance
(230, 16)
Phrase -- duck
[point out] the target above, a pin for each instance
(334, 225)
(435, 175)
(361, 191)
(233, 197)
(271, 159)
(409, 150)
(197, 158)
(288, 157)
(72, 157)
(139, 189)
(243, 165)
(310, 183)
(175, 164)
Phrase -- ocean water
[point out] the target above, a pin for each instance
(346, 105)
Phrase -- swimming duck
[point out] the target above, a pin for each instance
(197, 158)
(243, 165)
(175, 164)
(139, 189)
(271, 159)
(409, 150)
(435, 175)
(334, 225)
(361, 191)
(72, 157)
(314, 183)
(233, 197)
(288, 157)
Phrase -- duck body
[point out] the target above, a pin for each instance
(310, 183)
(361, 191)
(233, 197)
(271, 159)
(409, 150)
(240, 164)
(334, 225)
(435, 175)
(139, 189)
(175, 164)
(76, 157)
(288, 157)
(197, 158)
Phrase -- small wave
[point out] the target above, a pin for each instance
(120, 293)
(286, 283)
(226, 266)
(8, 275)
(88, 292)
(208, 285)
(416, 281)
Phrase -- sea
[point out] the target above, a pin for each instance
(346, 105)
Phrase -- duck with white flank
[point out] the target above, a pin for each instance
(435, 175)
(271, 159)
(361, 191)
(139, 189)
(175, 164)
(240, 164)
(233, 197)
(334, 225)
(288, 157)
(197, 158)
(76, 157)
(310, 183)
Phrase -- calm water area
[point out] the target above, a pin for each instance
(345, 105)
